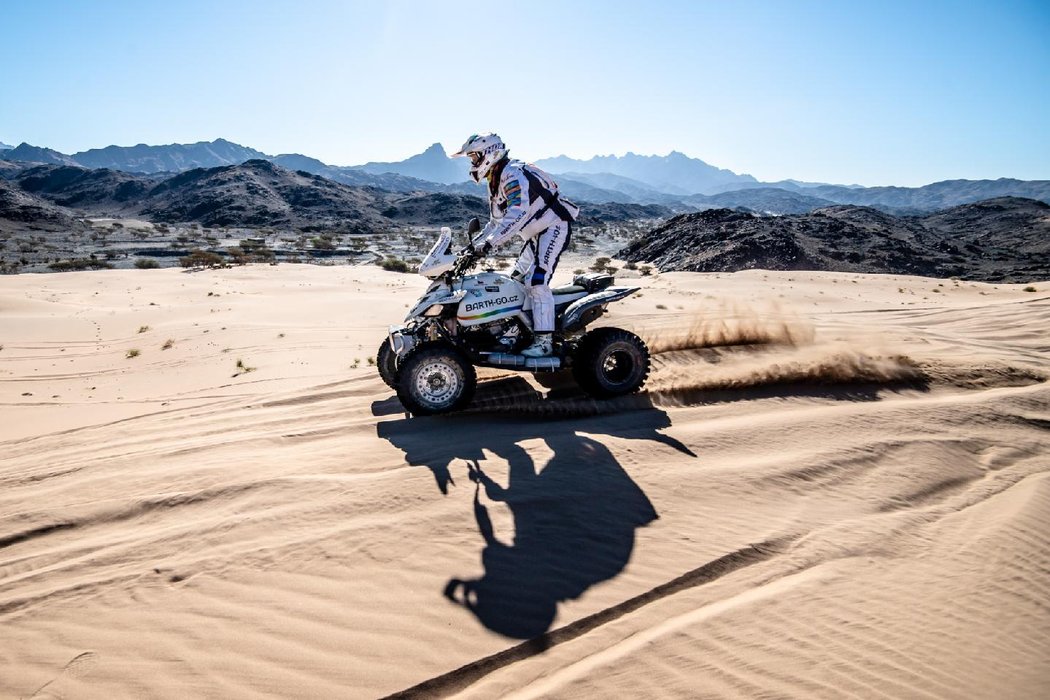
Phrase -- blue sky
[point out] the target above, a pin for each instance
(891, 92)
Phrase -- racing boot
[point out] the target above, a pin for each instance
(542, 346)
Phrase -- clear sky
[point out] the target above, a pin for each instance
(847, 91)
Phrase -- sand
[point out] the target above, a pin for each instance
(835, 486)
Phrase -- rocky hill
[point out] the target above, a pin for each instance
(1005, 239)
(597, 214)
(259, 193)
(427, 209)
(101, 191)
(22, 211)
(9, 169)
(761, 200)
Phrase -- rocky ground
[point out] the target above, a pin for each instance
(100, 243)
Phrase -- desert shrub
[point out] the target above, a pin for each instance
(600, 264)
(645, 270)
(630, 265)
(394, 264)
(79, 264)
(201, 258)
(1030, 289)
(132, 353)
(146, 263)
(251, 251)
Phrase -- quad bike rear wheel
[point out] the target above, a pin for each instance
(611, 362)
(434, 379)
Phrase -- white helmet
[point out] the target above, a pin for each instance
(485, 151)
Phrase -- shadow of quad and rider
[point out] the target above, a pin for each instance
(574, 516)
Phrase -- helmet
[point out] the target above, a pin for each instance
(484, 151)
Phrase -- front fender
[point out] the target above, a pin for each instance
(438, 296)
(572, 319)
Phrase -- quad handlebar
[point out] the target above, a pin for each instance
(466, 259)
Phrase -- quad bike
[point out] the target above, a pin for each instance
(464, 321)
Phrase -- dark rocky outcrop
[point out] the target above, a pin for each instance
(99, 191)
(1005, 239)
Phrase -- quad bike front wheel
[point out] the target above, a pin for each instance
(611, 362)
(435, 379)
(386, 362)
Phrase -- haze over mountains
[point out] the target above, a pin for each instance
(676, 181)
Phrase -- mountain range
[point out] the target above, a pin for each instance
(675, 173)
(675, 181)
(45, 212)
(253, 194)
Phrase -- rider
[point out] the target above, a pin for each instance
(523, 200)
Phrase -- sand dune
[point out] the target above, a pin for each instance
(834, 486)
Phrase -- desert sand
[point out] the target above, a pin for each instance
(834, 486)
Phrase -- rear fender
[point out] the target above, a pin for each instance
(573, 318)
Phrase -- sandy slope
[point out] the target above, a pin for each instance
(843, 493)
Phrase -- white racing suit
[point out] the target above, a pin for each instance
(525, 201)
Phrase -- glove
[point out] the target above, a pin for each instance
(485, 248)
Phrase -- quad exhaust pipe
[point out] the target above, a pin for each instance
(503, 359)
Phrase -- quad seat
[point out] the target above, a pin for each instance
(593, 281)
(590, 283)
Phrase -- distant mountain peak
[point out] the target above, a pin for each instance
(432, 164)
(28, 153)
(675, 173)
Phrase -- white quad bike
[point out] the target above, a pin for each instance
(467, 320)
